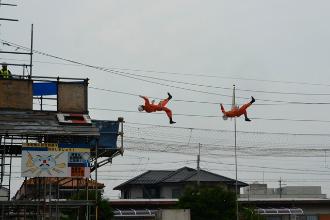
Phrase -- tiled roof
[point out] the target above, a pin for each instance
(40, 122)
(149, 177)
(181, 175)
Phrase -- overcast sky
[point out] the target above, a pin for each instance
(277, 51)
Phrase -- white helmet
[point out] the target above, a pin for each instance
(225, 117)
(140, 108)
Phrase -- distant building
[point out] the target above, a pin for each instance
(258, 190)
(290, 208)
(155, 184)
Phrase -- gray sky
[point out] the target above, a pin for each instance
(264, 46)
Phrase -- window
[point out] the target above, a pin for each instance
(176, 193)
(307, 217)
(311, 217)
(151, 193)
(126, 194)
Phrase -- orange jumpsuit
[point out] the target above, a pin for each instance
(236, 112)
(148, 107)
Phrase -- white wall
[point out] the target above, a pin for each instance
(173, 214)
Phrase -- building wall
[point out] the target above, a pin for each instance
(173, 214)
(166, 192)
(136, 192)
(261, 191)
(298, 190)
(169, 192)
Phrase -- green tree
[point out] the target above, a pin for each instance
(213, 203)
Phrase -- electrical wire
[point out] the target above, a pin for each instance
(223, 130)
(198, 75)
(135, 76)
(173, 100)
(213, 116)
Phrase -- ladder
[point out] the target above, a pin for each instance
(5, 167)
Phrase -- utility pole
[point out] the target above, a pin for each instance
(31, 51)
(198, 162)
(236, 188)
(325, 158)
(280, 182)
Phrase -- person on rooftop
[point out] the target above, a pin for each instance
(4, 72)
(161, 106)
(236, 111)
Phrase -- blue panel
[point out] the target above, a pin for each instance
(108, 133)
(49, 88)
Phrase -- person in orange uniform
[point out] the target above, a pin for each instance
(236, 112)
(161, 106)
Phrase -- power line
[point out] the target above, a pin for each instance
(223, 130)
(135, 76)
(203, 85)
(208, 76)
(173, 100)
(172, 148)
(210, 116)
(222, 147)
(222, 77)
(214, 116)
(268, 169)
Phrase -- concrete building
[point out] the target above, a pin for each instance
(258, 190)
(290, 208)
(173, 214)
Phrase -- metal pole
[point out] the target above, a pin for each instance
(87, 210)
(49, 201)
(45, 199)
(31, 50)
(96, 185)
(236, 188)
(57, 197)
(121, 133)
(280, 181)
(10, 166)
(198, 167)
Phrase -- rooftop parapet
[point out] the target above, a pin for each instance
(66, 95)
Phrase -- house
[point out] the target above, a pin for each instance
(168, 184)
